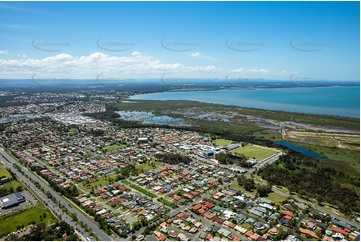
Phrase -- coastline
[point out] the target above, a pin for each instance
(208, 96)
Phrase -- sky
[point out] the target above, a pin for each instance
(114, 40)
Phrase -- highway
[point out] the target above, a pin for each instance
(9, 161)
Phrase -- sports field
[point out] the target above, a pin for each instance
(255, 151)
(250, 151)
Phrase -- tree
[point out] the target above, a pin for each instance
(264, 190)
(147, 231)
(247, 183)
(232, 159)
(143, 221)
(173, 158)
(74, 217)
(309, 178)
(293, 222)
(273, 223)
(38, 231)
(11, 190)
(137, 225)
(281, 235)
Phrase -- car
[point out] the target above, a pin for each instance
(140, 237)
(88, 239)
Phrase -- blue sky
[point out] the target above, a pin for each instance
(269, 40)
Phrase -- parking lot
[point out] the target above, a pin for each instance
(30, 201)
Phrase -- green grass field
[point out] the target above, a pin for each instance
(276, 197)
(253, 151)
(149, 166)
(101, 182)
(250, 151)
(222, 142)
(144, 167)
(139, 189)
(111, 148)
(347, 161)
(14, 185)
(5, 172)
(166, 202)
(9, 223)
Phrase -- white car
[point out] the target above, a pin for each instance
(140, 237)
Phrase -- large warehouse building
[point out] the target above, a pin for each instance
(11, 200)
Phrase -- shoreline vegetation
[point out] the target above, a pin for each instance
(158, 107)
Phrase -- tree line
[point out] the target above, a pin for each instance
(58, 231)
(305, 176)
(226, 158)
(173, 158)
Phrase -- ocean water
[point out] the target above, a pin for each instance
(340, 101)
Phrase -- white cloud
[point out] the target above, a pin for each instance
(135, 65)
(3, 52)
(196, 54)
(22, 56)
(67, 66)
(259, 70)
(136, 53)
(238, 70)
(259, 73)
(254, 70)
(201, 56)
(57, 58)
